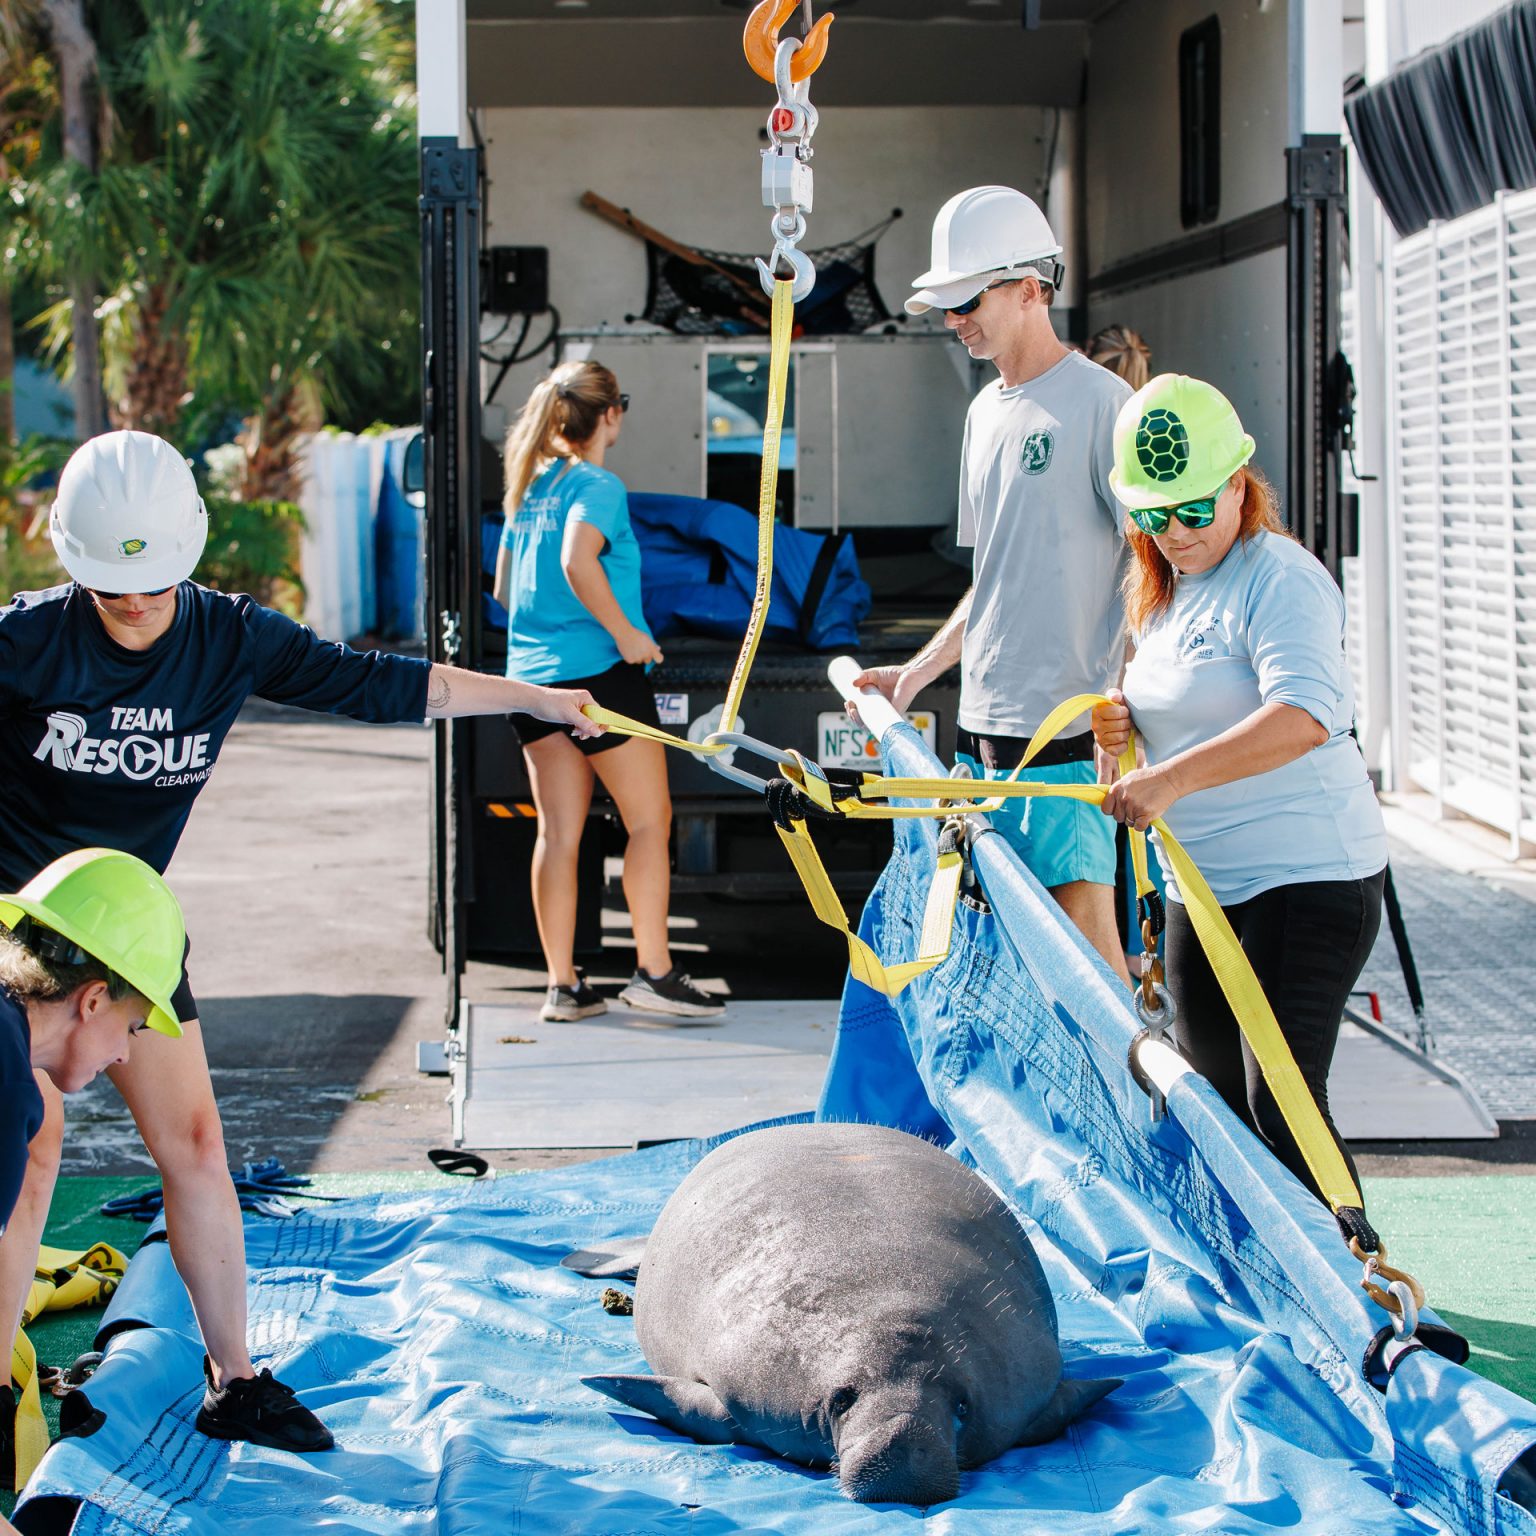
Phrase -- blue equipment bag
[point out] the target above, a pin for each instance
(699, 573)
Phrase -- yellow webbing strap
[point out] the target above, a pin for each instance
(773, 426)
(63, 1280)
(1230, 965)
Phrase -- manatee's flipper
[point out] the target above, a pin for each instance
(689, 1407)
(621, 1261)
(1071, 1400)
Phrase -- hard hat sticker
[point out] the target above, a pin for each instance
(133, 546)
(1162, 445)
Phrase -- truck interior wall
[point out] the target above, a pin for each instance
(693, 173)
(1227, 326)
(667, 60)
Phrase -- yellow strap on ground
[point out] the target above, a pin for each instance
(1230, 965)
(64, 1279)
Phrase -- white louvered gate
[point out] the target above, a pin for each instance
(1462, 332)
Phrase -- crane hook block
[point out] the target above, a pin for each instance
(760, 41)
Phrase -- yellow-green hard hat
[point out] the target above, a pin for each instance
(120, 912)
(1177, 439)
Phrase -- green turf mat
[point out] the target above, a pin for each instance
(1470, 1240)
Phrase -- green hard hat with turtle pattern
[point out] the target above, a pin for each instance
(1177, 439)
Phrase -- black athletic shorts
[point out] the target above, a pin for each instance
(182, 1000)
(624, 689)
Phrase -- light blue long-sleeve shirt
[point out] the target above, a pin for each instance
(1265, 626)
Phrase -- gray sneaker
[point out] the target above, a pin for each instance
(566, 1004)
(673, 993)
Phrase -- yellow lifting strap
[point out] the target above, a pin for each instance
(63, 1280)
(1230, 965)
(767, 495)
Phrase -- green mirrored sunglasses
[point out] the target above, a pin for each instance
(1193, 514)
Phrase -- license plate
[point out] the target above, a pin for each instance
(842, 744)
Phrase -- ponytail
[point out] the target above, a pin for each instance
(557, 421)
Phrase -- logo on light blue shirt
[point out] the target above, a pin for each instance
(1198, 642)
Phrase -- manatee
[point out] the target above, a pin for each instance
(845, 1296)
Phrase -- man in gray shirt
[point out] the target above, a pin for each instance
(1043, 619)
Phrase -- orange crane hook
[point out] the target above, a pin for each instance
(760, 41)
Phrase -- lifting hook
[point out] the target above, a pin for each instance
(760, 41)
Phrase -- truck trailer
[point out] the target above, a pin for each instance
(1187, 153)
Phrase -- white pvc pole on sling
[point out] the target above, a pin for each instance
(876, 712)
(1162, 1064)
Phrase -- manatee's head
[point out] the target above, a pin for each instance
(902, 1420)
(903, 1457)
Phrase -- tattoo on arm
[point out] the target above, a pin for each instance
(438, 691)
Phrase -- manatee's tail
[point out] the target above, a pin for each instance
(619, 1262)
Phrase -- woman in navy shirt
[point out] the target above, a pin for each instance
(114, 703)
(568, 573)
(1240, 692)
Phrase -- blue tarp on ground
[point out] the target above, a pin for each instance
(438, 1336)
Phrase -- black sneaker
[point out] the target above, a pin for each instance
(673, 993)
(567, 1003)
(262, 1410)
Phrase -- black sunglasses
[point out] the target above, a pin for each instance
(117, 597)
(972, 304)
(623, 402)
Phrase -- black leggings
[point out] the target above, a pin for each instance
(1307, 944)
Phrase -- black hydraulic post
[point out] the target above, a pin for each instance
(1320, 392)
(450, 332)
(1315, 203)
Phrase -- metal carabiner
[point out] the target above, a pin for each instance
(760, 40)
(734, 739)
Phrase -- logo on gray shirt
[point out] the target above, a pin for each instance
(1036, 454)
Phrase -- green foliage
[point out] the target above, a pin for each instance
(27, 561)
(257, 199)
(253, 546)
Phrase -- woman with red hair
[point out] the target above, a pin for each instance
(1240, 693)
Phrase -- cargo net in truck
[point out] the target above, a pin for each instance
(698, 300)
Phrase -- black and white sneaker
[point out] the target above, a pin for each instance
(565, 1004)
(262, 1410)
(673, 994)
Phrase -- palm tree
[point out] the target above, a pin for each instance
(28, 102)
(257, 202)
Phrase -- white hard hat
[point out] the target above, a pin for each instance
(979, 235)
(127, 517)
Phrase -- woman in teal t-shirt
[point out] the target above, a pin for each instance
(1241, 694)
(568, 573)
